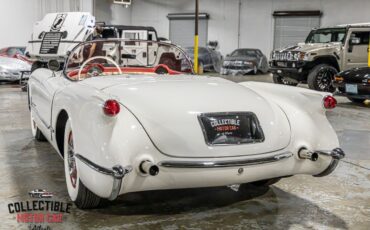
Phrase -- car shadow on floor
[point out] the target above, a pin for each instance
(266, 206)
(164, 202)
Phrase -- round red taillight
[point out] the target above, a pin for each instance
(329, 102)
(111, 108)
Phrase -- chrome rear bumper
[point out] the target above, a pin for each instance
(225, 163)
(117, 173)
(336, 154)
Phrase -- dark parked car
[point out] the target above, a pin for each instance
(210, 60)
(243, 61)
(354, 84)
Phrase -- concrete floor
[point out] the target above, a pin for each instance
(338, 201)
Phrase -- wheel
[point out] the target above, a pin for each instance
(161, 70)
(356, 100)
(36, 132)
(79, 194)
(255, 70)
(281, 80)
(321, 78)
(267, 182)
(36, 65)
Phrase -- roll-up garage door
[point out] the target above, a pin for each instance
(291, 28)
(182, 27)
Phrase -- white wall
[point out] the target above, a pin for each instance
(256, 27)
(109, 13)
(16, 21)
(17, 17)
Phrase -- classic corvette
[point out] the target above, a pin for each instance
(120, 132)
(354, 84)
(243, 61)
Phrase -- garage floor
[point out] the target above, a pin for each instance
(338, 201)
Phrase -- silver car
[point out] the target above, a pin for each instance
(11, 69)
(243, 61)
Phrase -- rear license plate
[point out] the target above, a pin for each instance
(231, 128)
(351, 88)
(281, 64)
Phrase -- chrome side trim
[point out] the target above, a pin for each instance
(33, 106)
(225, 163)
(117, 172)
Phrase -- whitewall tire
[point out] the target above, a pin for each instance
(79, 194)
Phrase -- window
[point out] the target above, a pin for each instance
(326, 35)
(131, 36)
(362, 36)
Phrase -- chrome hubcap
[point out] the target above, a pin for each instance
(72, 168)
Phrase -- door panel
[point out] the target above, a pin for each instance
(356, 55)
(139, 49)
(42, 92)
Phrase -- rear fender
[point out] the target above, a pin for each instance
(305, 111)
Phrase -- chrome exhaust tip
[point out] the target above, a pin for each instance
(305, 154)
(147, 167)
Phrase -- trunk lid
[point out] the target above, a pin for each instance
(168, 108)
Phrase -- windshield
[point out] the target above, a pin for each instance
(244, 52)
(327, 35)
(16, 50)
(115, 57)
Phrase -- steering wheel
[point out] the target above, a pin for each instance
(94, 70)
(98, 66)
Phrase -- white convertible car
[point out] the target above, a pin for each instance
(122, 128)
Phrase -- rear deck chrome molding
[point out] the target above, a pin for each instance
(117, 172)
(225, 163)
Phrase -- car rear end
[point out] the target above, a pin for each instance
(353, 83)
(155, 142)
